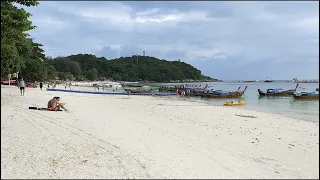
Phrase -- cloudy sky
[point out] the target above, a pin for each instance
(225, 40)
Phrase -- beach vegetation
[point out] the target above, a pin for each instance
(19, 52)
(146, 68)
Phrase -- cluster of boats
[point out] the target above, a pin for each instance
(290, 92)
(209, 92)
(206, 91)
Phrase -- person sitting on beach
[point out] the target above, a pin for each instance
(54, 104)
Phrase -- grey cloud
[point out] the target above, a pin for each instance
(246, 34)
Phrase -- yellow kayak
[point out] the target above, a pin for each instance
(234, 103)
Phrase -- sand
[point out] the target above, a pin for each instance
(108, 136)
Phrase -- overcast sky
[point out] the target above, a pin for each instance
(225, 40)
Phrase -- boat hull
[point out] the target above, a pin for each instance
(289, 92)
(276, 94)
(305, 97)
(167, 89)
(230, 95)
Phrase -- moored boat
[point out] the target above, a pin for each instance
(224, 94)
(193, 90)
(306, 95)
(167, 89)
(247, 81)
(268, 80)
(277, 92)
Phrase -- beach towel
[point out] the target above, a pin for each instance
(44, 109)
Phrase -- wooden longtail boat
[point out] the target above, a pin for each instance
(306, 95)
(196, 88)
(277, 92)
(193, 90)
(168, 89)
(131, 85)
(138, 91)
(225, 94)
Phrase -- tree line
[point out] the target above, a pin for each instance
(141, 68)
(19, 53)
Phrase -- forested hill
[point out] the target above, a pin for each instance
(145, 68)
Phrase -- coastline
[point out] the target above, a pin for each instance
(288, 107)
(110, 136)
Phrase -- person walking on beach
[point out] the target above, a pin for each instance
(22, 86)
(41, 85)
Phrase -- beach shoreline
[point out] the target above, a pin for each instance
(112, 136)
(251, 106)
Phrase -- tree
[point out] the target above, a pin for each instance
(51, 72)
(75, 68)
(15, 46)
(35, 71)
(36, 66)
(92, 74)
(62, 75)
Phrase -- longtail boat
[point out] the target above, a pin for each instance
(193, 90)
(306, 95)
(277, 92)
(168, 89)
(132, 85)
(196, 87)
(138, 91)
(225, 94)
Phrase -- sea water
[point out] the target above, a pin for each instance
(287, 106)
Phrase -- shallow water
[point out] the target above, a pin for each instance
(287, 106)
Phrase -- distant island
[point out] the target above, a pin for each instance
(135, 68)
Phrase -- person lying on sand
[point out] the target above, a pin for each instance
(54, 104)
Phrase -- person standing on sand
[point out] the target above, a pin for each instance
(22, 86)
(41, 85)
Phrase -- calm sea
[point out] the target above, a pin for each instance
(287, 106)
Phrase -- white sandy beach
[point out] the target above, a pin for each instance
(108, 136)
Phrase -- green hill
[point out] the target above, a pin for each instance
(142, 68)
